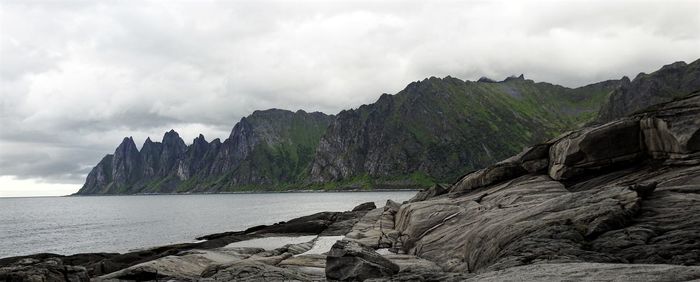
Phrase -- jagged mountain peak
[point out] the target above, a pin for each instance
(127, 143)
(485, 79)
(625, 80)
(669, 82)
(172, 139)
(520, 77)
(171, 134)
(270, 112)
(675, 65)
(199, 140)
(150, 146)
(433, 130)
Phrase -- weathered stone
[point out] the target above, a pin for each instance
(509, 224)
(410, 263)
(247, 270)
(591, 272)
(314, 264)
(50, 269)
(497, 173)
(187, 265)
(313, 260)
(667, 230)
(311, 224)
(644, 190)
(368, 206)
(432, 191)
(367, 230)
(595, 149)
(426, 276)
(343, 223)
(350, 261)
(674, 131)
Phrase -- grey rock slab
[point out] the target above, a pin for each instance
(529, 218)
(594, 149)
(247, 270)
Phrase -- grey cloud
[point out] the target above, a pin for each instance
(77, 76)
(58, 165)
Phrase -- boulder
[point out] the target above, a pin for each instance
(368, 206)
(611, 145)
(350, 261)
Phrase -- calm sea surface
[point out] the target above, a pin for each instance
(68, 225)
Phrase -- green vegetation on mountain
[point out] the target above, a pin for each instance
(443, 128)
(433, 131)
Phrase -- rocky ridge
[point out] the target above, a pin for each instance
(266, 148)
(610, 202)
(438, 128)
(433, 131)
(671, 81)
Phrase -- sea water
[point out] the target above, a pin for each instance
(69, 225)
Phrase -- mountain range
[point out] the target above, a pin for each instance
(433, 131)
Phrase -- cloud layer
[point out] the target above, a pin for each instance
(78, 76)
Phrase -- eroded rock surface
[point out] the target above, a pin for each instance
(613, 193)
(50, 269)
(351, 261)
(591, 272)
(593, 149)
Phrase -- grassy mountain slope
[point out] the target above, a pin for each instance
(441, 128)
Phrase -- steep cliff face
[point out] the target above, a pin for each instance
(444, 127)
(434, 130)
(671, 81)
(606, 196)
(100, 177)
(268, 147)
(272, 147)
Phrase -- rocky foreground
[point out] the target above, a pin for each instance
(613, 202)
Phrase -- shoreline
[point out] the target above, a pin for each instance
(205, 251)
(240, 192)
(224, 193)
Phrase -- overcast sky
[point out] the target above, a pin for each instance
(78, 76)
